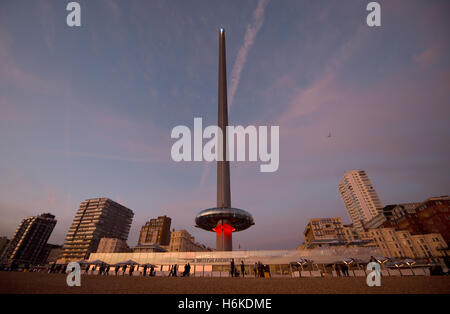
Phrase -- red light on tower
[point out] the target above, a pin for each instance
(223, 236)
(225, 228)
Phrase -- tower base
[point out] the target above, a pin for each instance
(224, 237)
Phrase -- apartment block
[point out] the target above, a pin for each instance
(156, 231)
(430, 216)
(29, 240)
(182, 241)
(96, 218)
(112, 245)
(3, 244)
(324, 231)
(359, 197)
(401, 244)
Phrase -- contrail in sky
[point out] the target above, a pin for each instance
(249, 38)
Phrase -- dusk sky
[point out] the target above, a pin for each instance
(87, 111)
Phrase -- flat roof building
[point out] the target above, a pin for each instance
(96, 218)
(401, 243)
(3, 244)
(182, 241)
(217, 263)
(359, 197)
(324, 231)
(149, 248)
(29, 240)
(112, 245)
(156, 230)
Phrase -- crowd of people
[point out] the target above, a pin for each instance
(342, 269)
(259, 269)
(147, 269)
(173, 270)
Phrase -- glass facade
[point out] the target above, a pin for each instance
(220, 261)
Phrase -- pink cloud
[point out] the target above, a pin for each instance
(427, 57)
(50, 195)
(307, 100)
(12, 73)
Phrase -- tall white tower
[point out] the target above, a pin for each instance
(360, 198)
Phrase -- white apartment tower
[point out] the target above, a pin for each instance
(360, 198)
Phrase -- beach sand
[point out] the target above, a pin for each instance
(19, 282)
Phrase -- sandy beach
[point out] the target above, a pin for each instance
(19, 282)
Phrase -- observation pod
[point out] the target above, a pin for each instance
(224, 221)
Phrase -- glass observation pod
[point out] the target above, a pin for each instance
(238, 218)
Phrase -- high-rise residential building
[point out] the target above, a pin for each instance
(156, 231)
(3, 244)
(112, 245)
(360, 198)
(96, 218)
(29, 240)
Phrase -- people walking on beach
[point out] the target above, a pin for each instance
(152, 270)
(175, 268)
(259, 269)
(145, 270)
(124, 268)
(116, 269)
(345, 270)
(232, 269)
(255, 269)
(338, 270)
(243, 268)
(170, 270)
(131, 270)
(188, 272)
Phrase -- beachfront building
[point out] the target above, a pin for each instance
(402, 244)
(29, 240)
(182, 241)
(4, 241)
(359, 197)
(96, 218)
(217, 263)
(324, 231)
(112, 245)
(156, 231)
